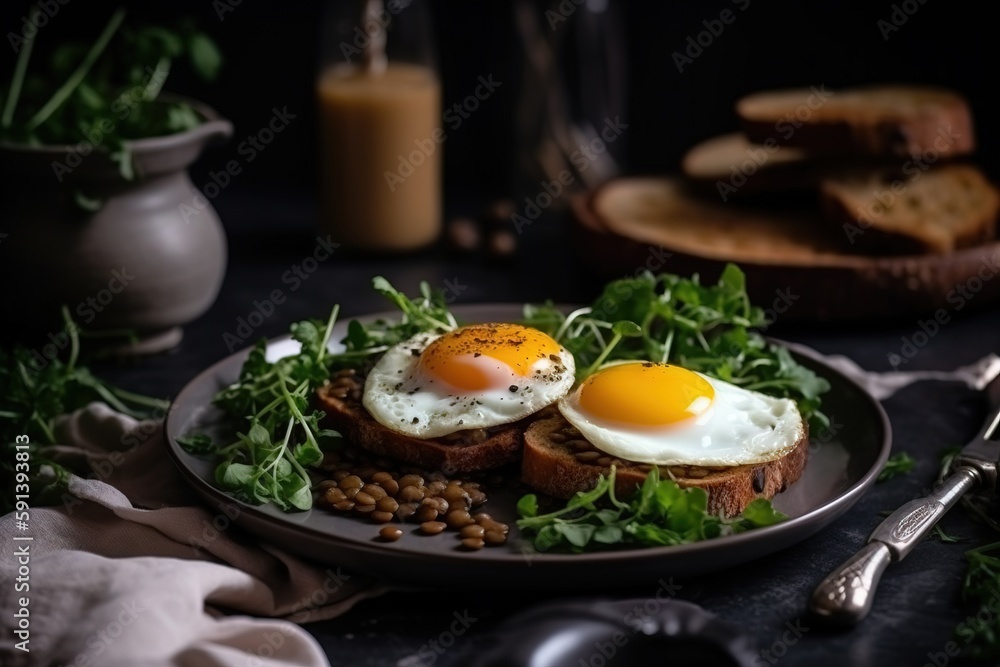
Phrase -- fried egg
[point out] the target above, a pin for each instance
(473, 377)
(667, 415)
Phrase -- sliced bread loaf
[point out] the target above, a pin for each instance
(891, 120)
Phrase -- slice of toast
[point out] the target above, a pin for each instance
(940, 210)
(889, 120)
(464, 451)
(558, 461)
(732, 165)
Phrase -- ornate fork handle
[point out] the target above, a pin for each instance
(847, 594)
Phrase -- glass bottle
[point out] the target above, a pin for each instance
(379, 98)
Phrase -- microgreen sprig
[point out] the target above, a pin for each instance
(268, 462)
(35, 391)
(660, 513)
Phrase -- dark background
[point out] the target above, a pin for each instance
(271, 50)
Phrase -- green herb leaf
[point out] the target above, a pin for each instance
(86, 203)
(760, 513)
(234, 475)
(659, 513)
(626, 329)
(197, 443)
(206, 60)
(527, 506)
(945, 537)
(733, 279)
(899, 463)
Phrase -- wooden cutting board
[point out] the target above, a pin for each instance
(796, 264)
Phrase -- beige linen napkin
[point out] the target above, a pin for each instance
(132, 570)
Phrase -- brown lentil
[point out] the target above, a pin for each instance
(438, 503)
(433, 527)
(380, 477)
(472, 531)
(386, 504)
(496, 526)
(390, 533)
(351, 482)
(459, 519)
(494, 538)
(410, 480)
(425, 513)
(409, 494)
(359, 484)
(405, 511)
(334, 495)
(455, 494)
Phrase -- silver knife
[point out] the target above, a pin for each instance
(846, 595)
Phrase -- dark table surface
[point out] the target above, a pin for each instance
(918, 607)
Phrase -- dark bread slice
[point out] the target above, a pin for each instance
(465, 452)
(887, 120)
(553, 465)
(939, 211)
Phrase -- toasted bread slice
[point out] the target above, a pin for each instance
(732, 165)
(464, 451)
(886, 121)
(936, 211)
(559, 462)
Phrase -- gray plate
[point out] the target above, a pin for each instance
(843, 463)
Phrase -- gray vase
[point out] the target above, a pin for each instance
(149, 255)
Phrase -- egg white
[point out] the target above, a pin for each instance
(401, 397)
(741, 427)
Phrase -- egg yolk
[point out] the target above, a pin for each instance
(645, 394)
(470, 357)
